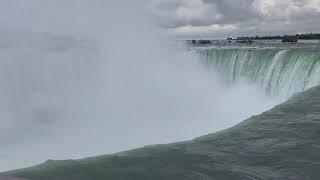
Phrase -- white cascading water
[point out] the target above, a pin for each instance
(280, 72)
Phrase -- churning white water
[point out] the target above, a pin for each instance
(280, 72)
(81, 78)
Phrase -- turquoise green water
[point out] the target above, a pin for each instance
(280, 72)
(280, 144)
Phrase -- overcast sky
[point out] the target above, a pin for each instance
(222, 18)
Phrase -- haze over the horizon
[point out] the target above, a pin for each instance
(222, 18)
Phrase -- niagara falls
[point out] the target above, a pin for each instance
(159, 90)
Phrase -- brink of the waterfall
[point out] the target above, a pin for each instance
(281, 143)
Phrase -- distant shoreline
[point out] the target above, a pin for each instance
(254, 43)
(306, 36)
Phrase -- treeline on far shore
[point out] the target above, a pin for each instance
(307, 36)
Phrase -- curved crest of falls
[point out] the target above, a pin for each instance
(281, 73)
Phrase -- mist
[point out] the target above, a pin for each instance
(85, 78)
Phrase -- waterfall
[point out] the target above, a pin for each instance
(281, 72)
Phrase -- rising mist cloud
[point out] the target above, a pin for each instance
(89, 77)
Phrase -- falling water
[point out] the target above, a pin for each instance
(281, 72)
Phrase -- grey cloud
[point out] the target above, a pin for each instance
(249, 16)
(228, 11)
(176, 13)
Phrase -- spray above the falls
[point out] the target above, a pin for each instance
(279, 72)
(92, 77)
